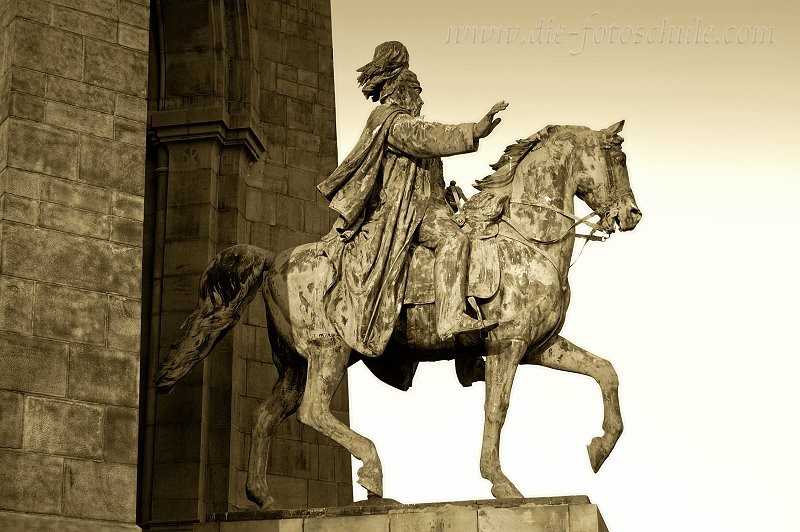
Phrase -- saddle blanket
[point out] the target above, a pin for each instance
(484, 273)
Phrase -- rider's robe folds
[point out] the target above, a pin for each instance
(381, 191)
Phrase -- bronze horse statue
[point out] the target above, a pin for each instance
(526, 208)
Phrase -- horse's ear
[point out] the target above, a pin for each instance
(613, 129)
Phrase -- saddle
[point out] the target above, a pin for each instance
(484, 268)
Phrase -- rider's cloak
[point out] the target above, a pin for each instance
(381, 191)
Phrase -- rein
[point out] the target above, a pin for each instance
(577, 221)
(531, 242)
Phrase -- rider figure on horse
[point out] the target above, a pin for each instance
(389, 193)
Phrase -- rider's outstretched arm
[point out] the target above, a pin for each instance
(418, 138)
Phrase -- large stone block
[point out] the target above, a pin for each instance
(85, 23)
(112, 164)
(130, 131)
(131, 107)
(26, 80)
(80, 94)
(186, 257)
(46, 49)
(76, 195)
(103, 375)
(191, 187)
(72, 260)
(26, 106)
(302, 54)
(16, 305)
(132, 37)
(33, 365)
(21, 183)
(128, 206)
(35, 10)
(100, 490)
(190, 221)
(11, 404)
(444, 517)
(290, 213)
(116, 67)
(63, 427)
(75, 221)
(79, 119)
(327, 462)
(65, 313)
(176, 481)
(127, 231)
(20, 210)
(289, 491)
(30, 482)
(531, 517)
(300, 115)
(303, 183)
(56, 523)
(177, 443)
(345, 493)
(347, 523)
(121, 435)
(43, 148)
(538, 515)
(322, 494)
(134, 14)
(124, 323)
(104, 8)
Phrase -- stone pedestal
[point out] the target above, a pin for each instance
(551, 514)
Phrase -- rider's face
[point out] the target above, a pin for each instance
(416, 101)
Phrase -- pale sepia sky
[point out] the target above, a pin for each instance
(696, 308)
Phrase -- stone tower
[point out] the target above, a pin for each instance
(137, 140)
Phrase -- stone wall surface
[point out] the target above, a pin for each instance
(136, 142)
(242, 126)
(73, 87)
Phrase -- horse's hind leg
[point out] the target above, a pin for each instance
(501, 366)
(286, 395)
(566, 356)
(326, 367)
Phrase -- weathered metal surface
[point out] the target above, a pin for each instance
(482, 281)
(527, 203)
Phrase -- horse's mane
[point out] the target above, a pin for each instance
(494, 189)
(505, 167)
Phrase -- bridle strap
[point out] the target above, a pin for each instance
(577, 221)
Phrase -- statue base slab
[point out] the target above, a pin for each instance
(546, 514)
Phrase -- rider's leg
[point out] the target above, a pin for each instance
(451, 247)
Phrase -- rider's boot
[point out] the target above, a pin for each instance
(450, 286)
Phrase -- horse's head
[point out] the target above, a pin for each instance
(602, 180)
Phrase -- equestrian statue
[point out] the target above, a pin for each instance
(409, 274)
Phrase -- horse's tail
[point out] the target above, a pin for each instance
(227, 286)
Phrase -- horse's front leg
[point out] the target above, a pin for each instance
(566, 356)
(326, 367)
(501, 366)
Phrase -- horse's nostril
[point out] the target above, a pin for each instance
(635, 211)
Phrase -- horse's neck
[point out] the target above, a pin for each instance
(540, 190)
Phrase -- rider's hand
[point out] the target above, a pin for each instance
(489, 122)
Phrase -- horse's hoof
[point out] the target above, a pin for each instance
(373, 499)
(371, 479)
(264, 502)
(269, 504)
(597, 454)
(506, 490)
